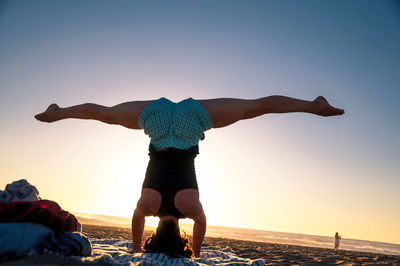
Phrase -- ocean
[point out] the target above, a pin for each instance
(258, 235)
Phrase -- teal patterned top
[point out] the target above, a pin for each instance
(180, 125)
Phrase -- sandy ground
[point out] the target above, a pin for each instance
(272, 254)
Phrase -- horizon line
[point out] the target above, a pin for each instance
(246, 228)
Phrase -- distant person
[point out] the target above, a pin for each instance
(170, 188)
(337, 241)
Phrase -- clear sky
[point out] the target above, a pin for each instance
(292, 173)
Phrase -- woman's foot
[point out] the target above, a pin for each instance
(136, 250)
(50, 115)
(323, 108)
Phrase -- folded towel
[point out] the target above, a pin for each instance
(45, 212)
(17, 239)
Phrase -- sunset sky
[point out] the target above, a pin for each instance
(291, 173)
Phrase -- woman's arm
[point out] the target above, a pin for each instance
(187, 201)
(199, 231)
(124, 114)
(138, 220)
(226, 111)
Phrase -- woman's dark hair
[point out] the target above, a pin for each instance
(167, 239)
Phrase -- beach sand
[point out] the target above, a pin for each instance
(272, 254)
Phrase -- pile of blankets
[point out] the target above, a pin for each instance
(28, 223)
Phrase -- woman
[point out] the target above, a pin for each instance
(337, 241)
(170, 190)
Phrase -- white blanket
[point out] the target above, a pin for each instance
(114, 252)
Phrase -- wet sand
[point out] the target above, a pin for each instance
(272, 254)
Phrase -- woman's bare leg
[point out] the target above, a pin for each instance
(226, 111)
(124, 114)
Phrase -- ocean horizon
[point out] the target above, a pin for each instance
(256, 235)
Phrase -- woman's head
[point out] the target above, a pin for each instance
(167, 239)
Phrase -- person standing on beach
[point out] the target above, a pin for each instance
(170, 189)
(337, 241)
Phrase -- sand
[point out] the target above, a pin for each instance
(272, 254)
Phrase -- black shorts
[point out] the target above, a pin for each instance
(168, 172)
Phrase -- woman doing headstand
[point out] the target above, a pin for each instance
(170, 189)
